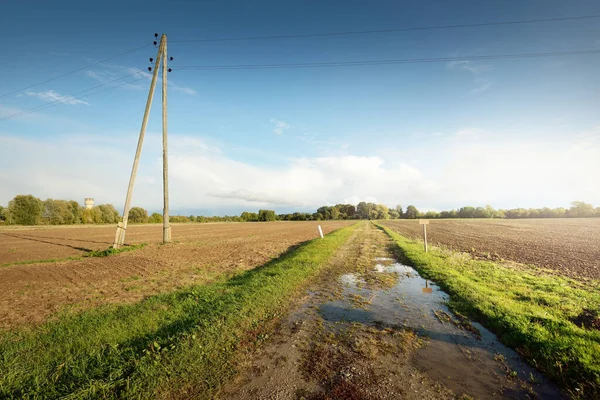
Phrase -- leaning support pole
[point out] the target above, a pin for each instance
(166, 222)
(121, 229)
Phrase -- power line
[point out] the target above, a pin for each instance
(386, 62)
(75, 96)
(73, 71)
(423, 28)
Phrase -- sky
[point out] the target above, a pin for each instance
(510, 132)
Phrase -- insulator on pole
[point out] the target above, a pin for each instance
(151, 59)
(149, 69)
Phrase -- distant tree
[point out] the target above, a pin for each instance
(249, 216)
(373, 214)
(179, 218)
(110, 215)
(192, 218)
(382, 212)
(25, 210)
(267, 215)
(466, 212)
(335, 213)
(58, 212)
(412, 212)
(155, 218)
(597, 212)
(581, 209)
(394, 214)
(2, 216)
(138, 215)
(431, 214)
(348, 210)
(445, 214)
(399, 211)
(76, 210)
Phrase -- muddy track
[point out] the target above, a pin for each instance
(31, 293)
(567, 246)
(373, 329)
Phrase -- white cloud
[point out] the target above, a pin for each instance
(481, 86)
(280, 126)
(51, 95)
(112, 72)
(467, 65)
(470, 167)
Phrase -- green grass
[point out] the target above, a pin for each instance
(530, 313)
(183, 344)
(111, 250)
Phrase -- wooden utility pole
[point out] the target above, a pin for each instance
(122, 227)
(166, 222)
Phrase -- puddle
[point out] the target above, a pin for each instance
(462, 355)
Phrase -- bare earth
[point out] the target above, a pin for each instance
(364, 333)
(30, 293)
(571, 247)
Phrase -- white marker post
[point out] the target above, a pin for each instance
(320, 231)
(424, 222)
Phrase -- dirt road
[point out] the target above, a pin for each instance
(373, 329)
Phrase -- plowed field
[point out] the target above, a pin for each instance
(571, 247)
(30, 293)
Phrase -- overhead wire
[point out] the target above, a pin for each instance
(393, 30)
(73, 71)
(385, 62)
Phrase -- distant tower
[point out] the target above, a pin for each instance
(89, 203)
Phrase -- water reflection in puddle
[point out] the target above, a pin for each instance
(462, 355)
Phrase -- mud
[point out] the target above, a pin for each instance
(374, 329)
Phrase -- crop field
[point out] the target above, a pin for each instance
(37, 278)
(570, 247)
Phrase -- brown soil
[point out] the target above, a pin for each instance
(30, 293)
(567, 246)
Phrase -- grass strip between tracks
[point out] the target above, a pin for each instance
(178, 345)
(549, 320)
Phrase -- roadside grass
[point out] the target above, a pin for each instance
(553, 322)
(184, 344)
(112, 251)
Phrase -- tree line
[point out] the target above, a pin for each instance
(29, 210)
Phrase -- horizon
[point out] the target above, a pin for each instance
(509, 132)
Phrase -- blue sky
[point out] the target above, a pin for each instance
(506, 132)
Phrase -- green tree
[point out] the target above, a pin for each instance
(581, 209)
(267, 215)
(399, 210)
(76, 210)
(382, 212)
(2, 216)
(394, 214)
(138, 215)
(431, 214)
(155, 218)
(25, 210)
(412, 212)
(58, 212)
(249, 216)
(109, 214)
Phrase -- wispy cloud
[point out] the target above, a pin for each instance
(280, 126)
(467, 65)
(112, 72)
(51, 95)
(481, 87)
